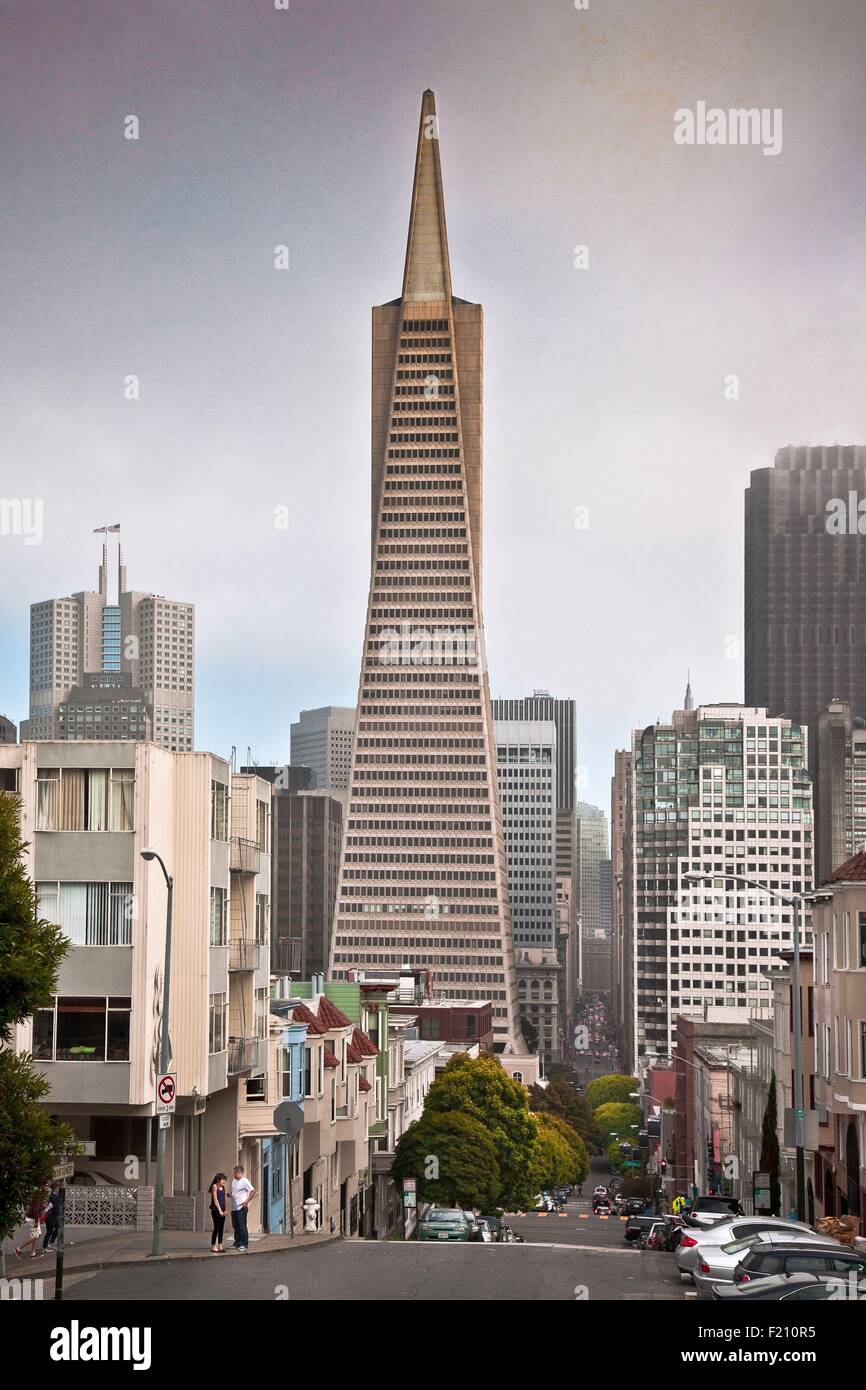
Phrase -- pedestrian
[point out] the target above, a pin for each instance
(52, 1217)
(218, 1212)
(33, 1219)
(242, 1193)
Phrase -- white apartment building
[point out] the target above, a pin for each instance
(719, 790)
(88, 810)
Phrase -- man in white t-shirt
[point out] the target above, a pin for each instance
(242, 1191)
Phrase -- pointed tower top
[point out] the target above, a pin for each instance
(688, 702)
(427, 275)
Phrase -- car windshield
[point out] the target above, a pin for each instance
(735, 1246)
(439, 1218)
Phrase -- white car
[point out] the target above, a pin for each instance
(716, 1263)
(738, 1228)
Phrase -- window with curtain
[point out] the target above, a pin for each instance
(97, 799)
(83, 1029)
(71, 799)
(219, 810)
(89, 914)
(47, 797)
(122, 815)
(74, 798)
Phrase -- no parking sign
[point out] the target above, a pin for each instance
(166, 1093)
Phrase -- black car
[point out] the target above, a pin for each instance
(779, 1288)
(496, 1227)
(635, 1206)
(635, 1226)
(757, 1264)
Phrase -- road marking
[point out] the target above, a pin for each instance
(583, 1216)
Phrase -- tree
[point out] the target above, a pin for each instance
(561, 1098)
(619, 1119)
(552, 1158)
(578, 1160)
(31, 951)
(770, 1148)
(453, 1158)
(614, 1089)
(480, 1087)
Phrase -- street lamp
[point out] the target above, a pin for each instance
(164, 1054)
(695, 876)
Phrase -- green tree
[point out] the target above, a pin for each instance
(618, 1119)
(614, 1089)
(30, 955)
(770, 1148)
(453, 1158)
(552, 1158)
(578, 1159)
(480, 1087)
(561, 1098)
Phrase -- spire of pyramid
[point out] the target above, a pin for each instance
(427, 274)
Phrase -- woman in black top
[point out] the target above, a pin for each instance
(218, 1212)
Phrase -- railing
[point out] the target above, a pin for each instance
(243, 955)
(243, 1054)
(103, 1204)
(245, 856)
(286, 956)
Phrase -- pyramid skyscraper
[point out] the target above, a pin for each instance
(423, 879)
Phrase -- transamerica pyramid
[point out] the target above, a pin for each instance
(422, 877)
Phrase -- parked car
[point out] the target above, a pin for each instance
(494, 1224)
(445, 1223)
(788, 1288)
(705, 1211)
(635, 1225)
(653, 1237)
(716, 1264)
(635, 1206)
(725, 1231)
(482, 1231)
(794, 1259)
(90, 1178)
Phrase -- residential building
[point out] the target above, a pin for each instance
(112, 666)
(423, 875)
(322, 740)
(87, 811)
(805, 583)
(704, 1043)
(839, 771)
(781, 977)
(720, 787)
(8, 730)
(839, 935)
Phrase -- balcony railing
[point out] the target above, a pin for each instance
(286, 956)
(243, 1054)
(243, 955)
(245, 856)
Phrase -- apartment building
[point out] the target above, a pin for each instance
(87, 812)
(839, 927)
(839, 770)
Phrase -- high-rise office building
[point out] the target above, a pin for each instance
(620, 1006)
(118, 666)
(839, 789)
(721, 790)
(526, 753)
(322, 739)
(8, 730)
(308, 836)
(423, 873)
(805, 591)
(592, 848)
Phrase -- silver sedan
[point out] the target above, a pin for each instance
(716, 1263)
(737, 1228)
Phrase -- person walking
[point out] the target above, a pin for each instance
(242, 1193)
(218, 1204)
(33, 1218)
(52, 1217)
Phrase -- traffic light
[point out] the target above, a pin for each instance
(663, 1165)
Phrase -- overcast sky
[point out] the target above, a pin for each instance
(605, 386)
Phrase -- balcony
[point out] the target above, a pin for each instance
(286, 956)
(244, 955)
(243, 1055)
(245, 856)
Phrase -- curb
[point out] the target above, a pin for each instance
(136, 1260)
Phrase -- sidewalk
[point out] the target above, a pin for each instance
(89, 1248)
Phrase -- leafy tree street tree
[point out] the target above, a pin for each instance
(561, 1099)
(30, 955)
(613, 1089)
(479, 1087)
(770, 1148)
(453, 1158)
(618, 1120)
(577, 1164)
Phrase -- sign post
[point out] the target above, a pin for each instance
(63, 1169)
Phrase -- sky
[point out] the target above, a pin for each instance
(617, 446)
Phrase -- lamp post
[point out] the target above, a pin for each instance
(164, 1055)
(795, 903)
